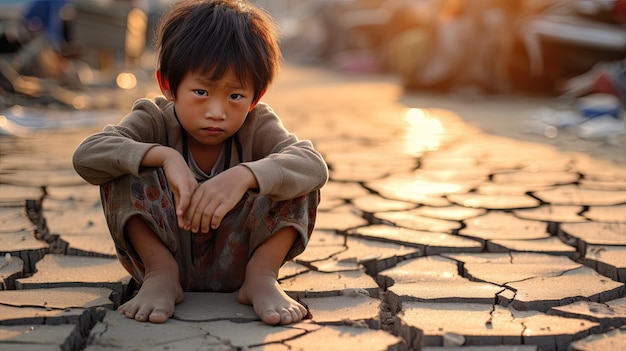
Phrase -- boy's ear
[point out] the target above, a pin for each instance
(257, 101)
(164, 85)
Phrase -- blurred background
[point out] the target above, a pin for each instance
(496, 46)
(96, 54)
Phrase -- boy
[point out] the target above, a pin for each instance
(204, 189)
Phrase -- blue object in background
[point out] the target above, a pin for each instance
(599, 104)
(45, 16)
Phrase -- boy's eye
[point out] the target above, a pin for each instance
(236, 96)
(201, 92)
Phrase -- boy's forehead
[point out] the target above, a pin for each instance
(228, 77)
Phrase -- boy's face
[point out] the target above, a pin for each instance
(211, 111)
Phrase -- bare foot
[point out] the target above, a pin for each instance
(269, 300)
(156, 299)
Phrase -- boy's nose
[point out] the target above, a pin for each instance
(215, 110)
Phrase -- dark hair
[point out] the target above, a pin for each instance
(213, 36)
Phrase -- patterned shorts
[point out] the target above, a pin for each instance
(213, 261)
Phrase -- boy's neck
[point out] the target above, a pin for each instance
(205, 156)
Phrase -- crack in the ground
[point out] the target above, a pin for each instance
(387, 318)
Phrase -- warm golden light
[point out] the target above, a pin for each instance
(126, 81)
(3, 121)
(17, 110)
(415, 115)
(79, 102)
(423, 132)
(136, 28)
(86, 75)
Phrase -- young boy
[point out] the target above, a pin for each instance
(204, 189)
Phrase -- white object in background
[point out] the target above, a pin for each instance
(601, 127)
(533, 126)
(556, 118)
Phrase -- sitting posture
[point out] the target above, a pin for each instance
(203, 188)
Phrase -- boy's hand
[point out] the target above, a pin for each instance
(183, 184)
(213, 199)
(181, 181)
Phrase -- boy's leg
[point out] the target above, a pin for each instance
(261, 289)
(141, 218)
(160, 290)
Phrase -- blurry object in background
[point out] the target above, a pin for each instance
(13, 34)
(51, 19)
(40, 56)
(597, 105)
(583, 42)
(575, 27)
(307, 26)
(500, 46)
(12, 81)
(463, 44)
(71, 52)
(30, 50)
(602, 127)
(111, 33)
(603, 77)
(447, 39)
(594, 116)
(364, 26)
(408, 38)
(351, 33)
(135, 39)
(20, 121)
(608, 11)
(490, 46)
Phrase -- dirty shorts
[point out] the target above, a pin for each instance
(213, 261)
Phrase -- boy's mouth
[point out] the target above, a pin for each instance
(213, 129)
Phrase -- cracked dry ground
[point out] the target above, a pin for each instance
(430, 233)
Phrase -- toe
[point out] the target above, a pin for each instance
(140, 317)
(129, 311)
(286, 317)
(142, 314)
(296, 316)
(158, 316)
(272, 317)
(303, 311)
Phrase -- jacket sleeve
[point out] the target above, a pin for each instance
(284, 166)
(119, 149)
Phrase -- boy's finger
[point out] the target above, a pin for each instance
(181, 209)
(181, 222)
(195, 212)
(208, 216)
(216, 220)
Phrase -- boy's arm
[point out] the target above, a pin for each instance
(284, 166)
(120, 149)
